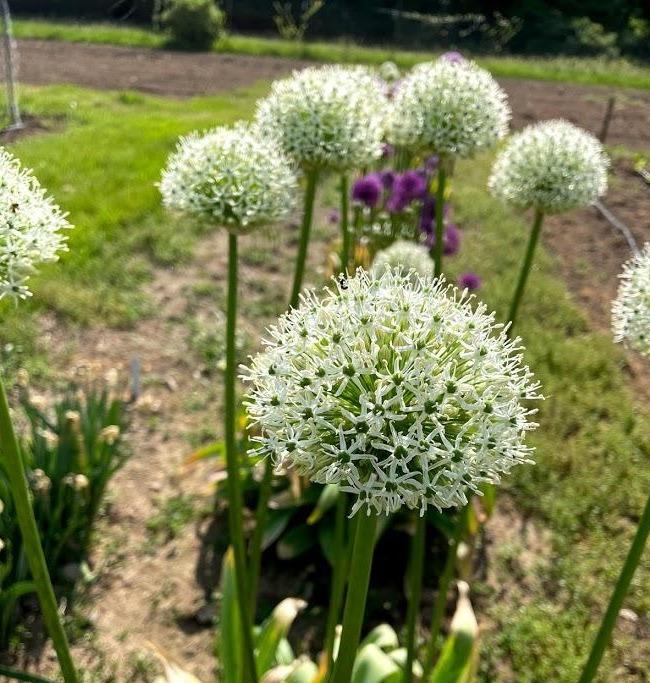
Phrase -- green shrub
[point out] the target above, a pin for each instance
(70, 453)
(193, 24)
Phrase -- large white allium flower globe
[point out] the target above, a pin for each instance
(631, 308)
(231, 177)
(31, 226)
(450, 108)
(329, 117)
(404, 255)
(399, 389)
(551, 166)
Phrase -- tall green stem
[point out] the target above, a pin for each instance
(443, 590)
(345, 218)
(620, 591)
(415, 593)
(235, 505)
(255, 554)
(355, 602)
(305, 229)
(15, 470)
(526, 266)
(440, 221)
(338, 578)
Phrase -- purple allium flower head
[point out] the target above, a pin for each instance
(469, 281)
(387, 179)
(453, 57)
(411, 184)
(428, 214)
(451, 240)
(387, 150)
(333, 216)
(367, 190)
(431, 163)
(397, 202)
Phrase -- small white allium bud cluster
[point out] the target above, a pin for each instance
(327, 118)
(235, 177)
(552, 166)
(398, 388)
(31, 226)
(451, 108)
(405, 256)
(631, 308)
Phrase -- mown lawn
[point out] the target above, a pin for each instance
(101, 161)
(590, 71)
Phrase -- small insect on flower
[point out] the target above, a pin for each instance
(631, 308)
(449, 107)
(398, 388)
(235, 178)
(330, 117)
(31, 226)
(405, 256)
(551, 166)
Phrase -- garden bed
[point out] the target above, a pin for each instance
(148, 585)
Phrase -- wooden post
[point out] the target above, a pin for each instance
(609, 112)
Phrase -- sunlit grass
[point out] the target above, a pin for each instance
(586, 70)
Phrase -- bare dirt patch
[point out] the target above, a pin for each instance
(183, 74)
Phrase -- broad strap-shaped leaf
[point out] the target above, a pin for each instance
(296, 542)
(383, 636)
(326, 502)
(459, 653)
(274, 630)
(373, 665)
(276, 522)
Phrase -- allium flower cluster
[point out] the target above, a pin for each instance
(448, 107)
(389, 72)
(469, 281)
(231, 177)
(327, 118)
(31, 226)
(398, 388)
(405, 256)
(631, 308)
(552, 166)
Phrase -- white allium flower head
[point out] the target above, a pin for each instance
(552, 166)
(404, 255)
(329, 117)
(631, 308)
(235, 178)
(446, 107)
(398, 388)
(31, 226)
(389, 72)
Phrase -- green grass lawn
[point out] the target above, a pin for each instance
(101, 161)
(592, 71)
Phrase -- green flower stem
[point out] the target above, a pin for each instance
(443, 590)
(255, 552)
(526, 266)
(15, 470)
(235, 505)
(415, 593)
(355, 603)
(440, 222)
(616, 601)
(339, 571)
(305, 229)
(345, 229)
